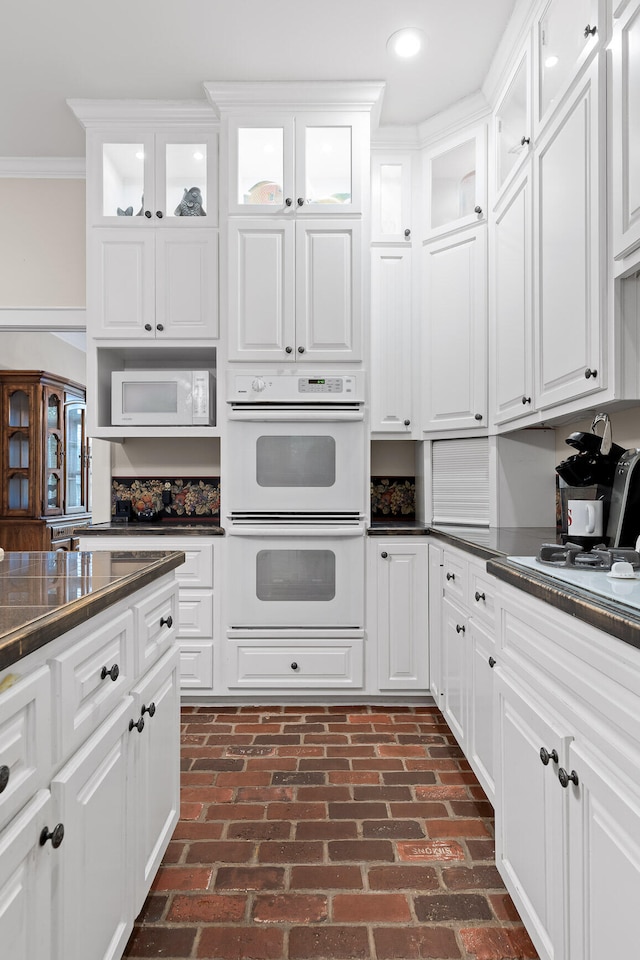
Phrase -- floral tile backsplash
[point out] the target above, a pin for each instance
(393, 498)
(184, 498)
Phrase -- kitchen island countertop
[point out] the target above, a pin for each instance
(43, 595)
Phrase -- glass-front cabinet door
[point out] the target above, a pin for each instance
(54, 451)
(512, 125)
(164, 178)
(566, 36)
(261, 163)
(18, 486)
(327, 158)
(391, 197)
(75, 461)
(455, 179)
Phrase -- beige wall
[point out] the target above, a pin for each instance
(42, 243)
(177, 457)
(393, 458)
(625, 426)
(42, 351)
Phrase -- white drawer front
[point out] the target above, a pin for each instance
(454, 577)
(482, 596)
(156, 624)
(296, 664)
(196, 614)
(197, 569)
(25, 740)
(196, 666)
(86, 691)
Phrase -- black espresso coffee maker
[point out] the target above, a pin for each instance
(588, 475)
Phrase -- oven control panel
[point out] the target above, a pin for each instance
(290, 387)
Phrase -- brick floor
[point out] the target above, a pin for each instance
(337, 833)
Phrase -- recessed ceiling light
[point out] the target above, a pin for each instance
(406, 43)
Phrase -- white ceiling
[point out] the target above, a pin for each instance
(52, 50)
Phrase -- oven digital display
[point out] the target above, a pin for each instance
(321, 385)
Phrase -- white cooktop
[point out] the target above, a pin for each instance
(625, 592)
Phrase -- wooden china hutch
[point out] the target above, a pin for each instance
(45, 461)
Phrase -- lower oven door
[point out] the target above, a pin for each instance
(301, 577)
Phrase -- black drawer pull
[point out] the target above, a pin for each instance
(451, 576)
(56, 835)
(139, 725)
(546, 755)
(114, 673)
(294, 665)
(460, 628)
(168, 620)
(479, 596)
(565, 777)
(492, 662)
(151, 709)
(384, 554)
(5, 773)
(590, 31)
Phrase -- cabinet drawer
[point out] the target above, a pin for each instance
(295, 664)
(195, 613)
(85, 690)
(196, 666)
(156, 625)
(197, 569)
(482, 596)
(25, 740)
(454, 577)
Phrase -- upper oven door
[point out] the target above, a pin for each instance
(305, 577)
(296, 466)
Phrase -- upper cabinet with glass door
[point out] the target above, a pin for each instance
(391, 209)
(512, 125)
(567, 35)
(456, 182)
(302, 163)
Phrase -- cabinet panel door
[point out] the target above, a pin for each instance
(261, 290)
(157, 782)
(121, 291)
(402, 613)
(569, 246)
(328, 289)
(90, 792)
(481, 699)
(392, 346)
(26, 895)
(512, 295)
(531, 814)
(187, 284)
(25, 740)
(604, 860)
(435, 622)
(455, 332)
(455, 656)
(626, 133)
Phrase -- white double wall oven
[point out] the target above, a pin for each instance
(295, 504)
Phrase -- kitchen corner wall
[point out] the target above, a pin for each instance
(625, 429)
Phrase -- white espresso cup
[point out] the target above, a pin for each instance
(585, 518)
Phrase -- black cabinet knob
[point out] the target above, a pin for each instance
(148, 326)
(166, 620)
(590, 373)
(460, 628)
(288, 201)
(56, 835)
(288, 349)
(451, 576)
(524, 141)
(492, 662)
(151, 709)
(300, 201)
(5, 773)
(479, 596)
(294, 665)
(159, 326)
(159, 214)
(590, 31)
(478, 416)
(114, 672)
(478, 209)
(147, 214)
(526, 400)
(300, 349)
(407, 423)
(139, 726)
(546, 755)
(384, 554)
(565, 777)
(407, 233)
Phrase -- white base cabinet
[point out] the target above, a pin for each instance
(78, 857)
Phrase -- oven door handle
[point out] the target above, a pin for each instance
(305, 414)
(321, 530)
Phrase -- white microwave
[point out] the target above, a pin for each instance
(162, 398)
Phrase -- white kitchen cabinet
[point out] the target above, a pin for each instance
(626, 138)
(455, 669)
(304, 163)
(397, 611)
(435, 621)
(512, 123)
(566, 37)
(392, 341)
(454, 329)
(152, 284)
(197, 620)
(295, 290)
(307, 663)
(26, 750)
(392, 210)
(511, 359)
(569, 246)
(455, 177)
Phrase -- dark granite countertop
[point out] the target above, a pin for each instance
(616, 619)
(42, 595)
(483, 542)
(133, 528)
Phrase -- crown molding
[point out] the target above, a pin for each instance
(395, 138)
(43, 168)
(43, 318)
(299, 95)
(177, 112)
(470, 110)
